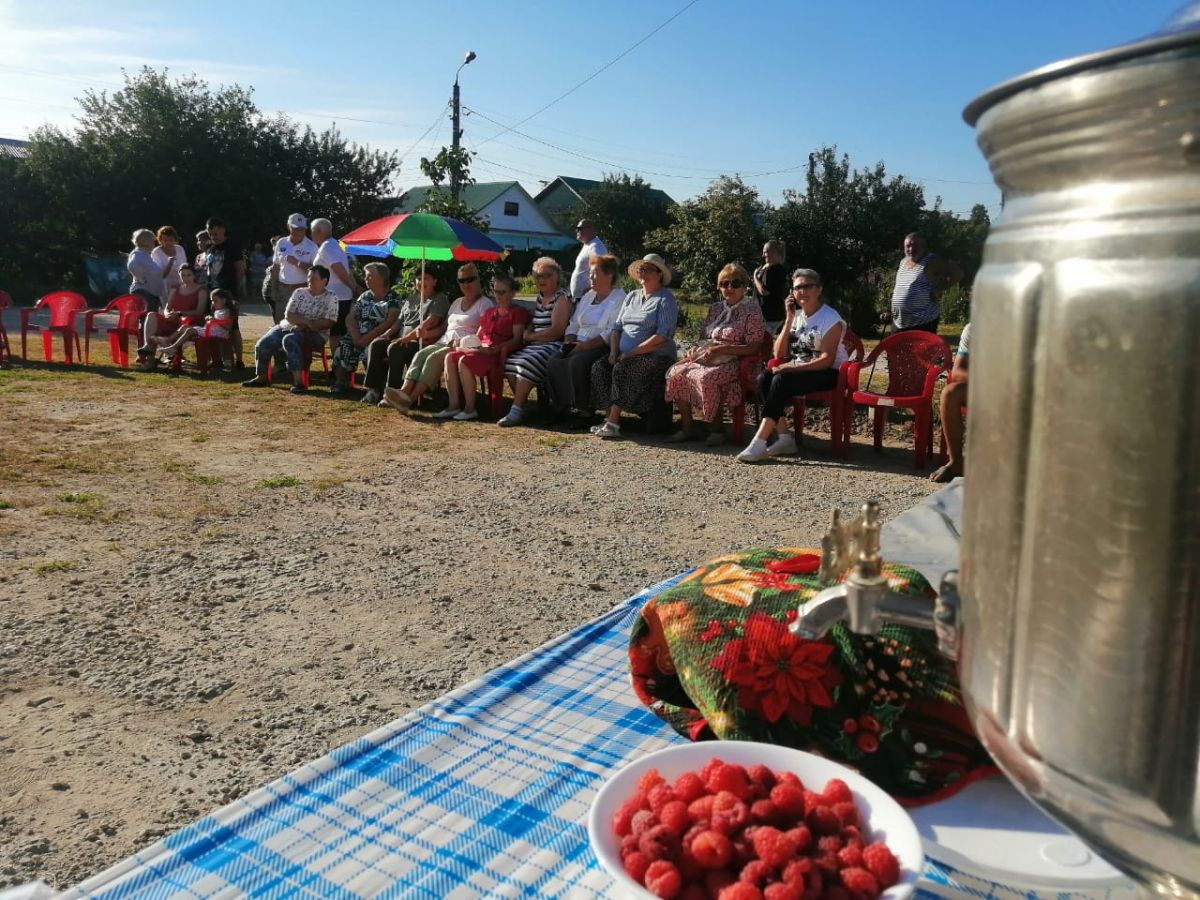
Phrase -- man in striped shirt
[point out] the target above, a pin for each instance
(920, 281)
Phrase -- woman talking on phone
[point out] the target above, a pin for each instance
(807, 354)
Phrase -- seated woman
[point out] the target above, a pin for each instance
(641, 348)
(375, 312)
(569, 375)
(429, 362)
(186, 305)
(422, 321)
(708, 378)
(501, 330)
(808, 352)
(217, 326)
(526, 368)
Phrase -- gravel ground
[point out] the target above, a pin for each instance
(202, 588)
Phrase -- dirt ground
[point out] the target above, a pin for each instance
(202, 587)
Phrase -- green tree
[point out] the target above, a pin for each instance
(173, 151)
(440, 202)
(625, 209)
(718, 227)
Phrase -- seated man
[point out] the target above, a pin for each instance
(954, 398)
(309, 314)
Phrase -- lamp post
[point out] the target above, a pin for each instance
(456, 129)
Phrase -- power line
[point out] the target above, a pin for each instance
(615, 59)
(432, 125)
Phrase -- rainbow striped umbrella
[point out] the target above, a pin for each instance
(422, 236)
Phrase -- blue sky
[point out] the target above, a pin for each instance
(725, 87)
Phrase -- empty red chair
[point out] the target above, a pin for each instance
(63, 306)
(836, 398)
(748, 369)
(5, 351)
(129, 310)
(915, 359)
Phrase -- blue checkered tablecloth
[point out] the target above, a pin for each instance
(482, 793)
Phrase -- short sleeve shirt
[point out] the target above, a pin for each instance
(303, 303)
(159, 255)
(580, 283)
(221, 261)
(414, 310)
(329, 253)
(304, 251)
(776, 282)
(459, 324)
(964, 348)
(592, 319)
(641, 317)
(809, 331)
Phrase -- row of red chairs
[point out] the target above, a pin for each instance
(915, 361)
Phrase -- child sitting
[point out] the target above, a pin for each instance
(216, 326)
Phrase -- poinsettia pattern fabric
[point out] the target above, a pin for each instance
(713, 657)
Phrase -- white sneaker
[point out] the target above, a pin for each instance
(397, 399)
(607, 430)
(448, 413)
(757, 450)
(371, 398)
(466, 415)
(785, 445)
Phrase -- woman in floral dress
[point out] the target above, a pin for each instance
(371, 316)
(707, 379)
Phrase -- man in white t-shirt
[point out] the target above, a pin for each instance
(341, 281)
(592, 246)
(951, 403)
(293, 255)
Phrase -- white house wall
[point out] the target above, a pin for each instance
(529, 217)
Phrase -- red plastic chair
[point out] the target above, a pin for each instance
(209, 348)
(748, 369)
(307, 353)
(494, 381)
(915, 361)
(836, 398)
(5, 352)
(63, 306)
(129, 310)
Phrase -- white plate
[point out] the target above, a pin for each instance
(887, 820)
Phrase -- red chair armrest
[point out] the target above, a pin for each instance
(850, 372)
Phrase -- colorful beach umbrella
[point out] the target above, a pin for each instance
(422, 236)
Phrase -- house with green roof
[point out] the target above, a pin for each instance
(562, 200)
(513, 217)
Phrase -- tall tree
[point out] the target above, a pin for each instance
(624, 209)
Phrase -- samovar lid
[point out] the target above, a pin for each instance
(1181, 29)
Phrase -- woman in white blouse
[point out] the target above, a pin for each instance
(569, 376)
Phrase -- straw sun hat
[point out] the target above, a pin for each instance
(652, 259)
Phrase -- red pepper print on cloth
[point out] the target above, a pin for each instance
(713, 657)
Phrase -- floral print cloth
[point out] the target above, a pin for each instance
(713, 657)
(708, 388)
(369, 313)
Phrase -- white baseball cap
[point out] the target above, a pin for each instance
(297, 220)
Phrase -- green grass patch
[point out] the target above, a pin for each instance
(327, 482)
(199, 438)
(5, 504)
(280, 481)
(51, 566)
(556, 441)
(197, 478)
(78, 505)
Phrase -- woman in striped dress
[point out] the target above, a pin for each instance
(526, 368)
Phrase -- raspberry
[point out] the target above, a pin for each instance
(660, 795)
(709, 767)
(847, 813)
(837, 791)
(814, 883)
(674, 817)
(860, 881)
(827, 863)
(729, 813)
(643, 820)
(689, 787)
(830, 843)
(796, 870)
(628, 845)
(692, 832)
(689, 868)
(774, 847)
(729, 778)
(622, 822)
(781, 891)
(658, 843)
(756, 872)
(822, 820)
(649, 781)
(760, 774)
(712, 850)
(852, 836)
(812, 800)
(763, 812)
(740, 890)
(743, 850)
(635, 865)
(879, 860)
(802, 836)
(789, 778)
(850, 857)
(662, 879)
(789, 800)
(701, 809)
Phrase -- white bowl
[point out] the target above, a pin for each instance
(885, 820)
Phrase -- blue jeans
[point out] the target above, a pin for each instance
(291, 341)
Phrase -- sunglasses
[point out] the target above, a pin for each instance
(468, 280)
(646, 270)
(730, 284)
(804, 287)
(501, 292)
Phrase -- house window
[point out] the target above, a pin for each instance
(512, 208)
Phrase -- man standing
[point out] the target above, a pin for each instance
(920, 281)
(309, 313)
(771, 283)
(585, 231)
(293, 255)
(953, 399)
(226, 269)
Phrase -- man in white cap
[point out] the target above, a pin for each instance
(293, 255)
(592, 246)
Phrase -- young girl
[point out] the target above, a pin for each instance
(216, 326)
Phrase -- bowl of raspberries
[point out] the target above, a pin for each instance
(737, 820)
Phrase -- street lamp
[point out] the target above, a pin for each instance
(456, 129)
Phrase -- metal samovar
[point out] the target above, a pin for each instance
(1078, 636)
